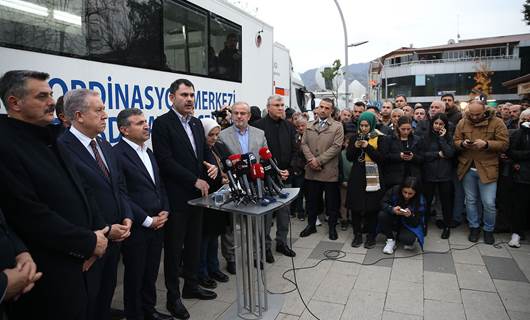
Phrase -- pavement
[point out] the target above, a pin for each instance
(481, 282)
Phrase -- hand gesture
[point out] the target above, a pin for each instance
(212, 170)
(480, 144)
(284, 175)
(202, 186)
(159, 220)
(101, 242)
(442, 132)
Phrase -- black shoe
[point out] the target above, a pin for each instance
(285, 250)
(268, 256)
(157, 316)
(370, 241)
(440, 224)
(219, 276)
(488, 237)
(231, 267)
(260, 264)
(198, 293)
(333, 233)
(344, 225)
(117, 314)
(308, 231)
(446, 232)
(474, 234)
(208, 283)
(357, 240)
(177, 309)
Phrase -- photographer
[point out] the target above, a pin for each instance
(223, 117)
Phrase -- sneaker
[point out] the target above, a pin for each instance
(390, 246)
(474, 234)
(514, 243)
(318, 223)
(357, 240)
(370, 241)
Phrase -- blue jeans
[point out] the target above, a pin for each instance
(476, 190)
(209, 261)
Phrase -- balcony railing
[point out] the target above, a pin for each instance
(451, 60)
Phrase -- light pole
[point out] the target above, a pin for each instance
(346, 45)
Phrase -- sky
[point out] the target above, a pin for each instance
(312, 29)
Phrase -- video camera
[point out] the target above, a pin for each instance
(222, 117)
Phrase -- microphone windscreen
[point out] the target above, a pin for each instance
(260, 171)
(254, 172)
(234, 157)
(265, 153)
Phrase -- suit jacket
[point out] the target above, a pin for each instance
(281, 138)
(180, 166)
(256, 140)
(148, 198)
(109, 193)
(45, 203)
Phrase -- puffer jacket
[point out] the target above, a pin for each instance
(436, 168)
(490, 129)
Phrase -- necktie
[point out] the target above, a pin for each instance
(99, 160)
(322, 124)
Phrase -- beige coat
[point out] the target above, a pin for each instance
(324, 145)
(491, 129)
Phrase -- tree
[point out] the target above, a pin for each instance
(329, 74)
(526, 12)
(482, 81)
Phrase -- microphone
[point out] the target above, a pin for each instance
(257, 174)
(242, 169)
(266, 155)
(227, 168)
(271, 186)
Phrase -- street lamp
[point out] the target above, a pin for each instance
(346, 45)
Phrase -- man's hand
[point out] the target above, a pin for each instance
(480, 144)
(314, 164)
(203, 186)
(17, 280)
(406, 157)
(23, 259)
(212, 170)
(363, 144)
(159, 220)
(397, 211)
(88, 263)
(284, 174)
(101, 242)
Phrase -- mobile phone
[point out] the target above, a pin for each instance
(402, 210)
(468, 141)
(408, 153)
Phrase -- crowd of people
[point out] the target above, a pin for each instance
(72, 204)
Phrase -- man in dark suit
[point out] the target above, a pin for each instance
(142, 250)
(100, 171)
(184, 160)
(44, 201)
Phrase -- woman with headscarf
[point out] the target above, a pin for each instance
(214, 221)
(364, 185)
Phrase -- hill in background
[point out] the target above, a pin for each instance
(356, 71)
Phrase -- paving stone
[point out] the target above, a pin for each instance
(474, 277)
(346, 267)
(441, 286)
(405, 297)
(515, 295)
(323, 246)
(480, 305)
(373, 278)
(436, 244)
(364, 305)
(376, 254)
(467, 256)
(208, 309)
(335, 288)
(504, 269)
(323, 310)
(489, 250)
(523, 261)
(440, 310)
(514, 315)
(285, 316)
(310, 242)
(388, 315)
(407, 270)
(435, 262)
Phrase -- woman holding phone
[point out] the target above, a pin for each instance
(401, 216)
(438, 168)
(403, 154)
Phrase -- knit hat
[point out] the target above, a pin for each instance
(208, 124)
(369, 117)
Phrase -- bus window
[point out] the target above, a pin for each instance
(185, 38)
(225, 40)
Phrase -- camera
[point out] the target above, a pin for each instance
(222, 117)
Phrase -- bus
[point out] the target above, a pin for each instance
(130, 51)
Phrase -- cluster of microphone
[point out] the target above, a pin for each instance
(253, 182)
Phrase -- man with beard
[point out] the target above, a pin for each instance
(101, 172)
(451, 109)
(44, 201)
(480, 137)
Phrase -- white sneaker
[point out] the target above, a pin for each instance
(514, 243)
(318, 223)
(390, 246)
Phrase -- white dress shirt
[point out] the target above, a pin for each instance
(141, 151)
(185, 120)
(85, 141)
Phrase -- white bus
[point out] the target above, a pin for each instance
(130, 51)
(287, 83)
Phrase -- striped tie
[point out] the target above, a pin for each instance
(99, 160)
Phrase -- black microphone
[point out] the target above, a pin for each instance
(227, 168)
(242, 169)
(270, 184)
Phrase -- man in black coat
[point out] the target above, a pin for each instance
(142, 250)
(184, 160)
(280, 136)
(100, 171)
(44, 201)
(18, 271)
